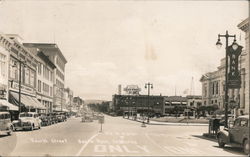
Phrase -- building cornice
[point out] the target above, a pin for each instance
(244, 25)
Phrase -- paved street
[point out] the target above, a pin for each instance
(119, 137)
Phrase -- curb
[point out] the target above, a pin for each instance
(171, 124)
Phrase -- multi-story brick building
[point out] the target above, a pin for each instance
(57, 58)
(21, 59)
(44, 81)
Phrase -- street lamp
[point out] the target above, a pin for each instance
(148, 86)
(20, 78)
(234, 46)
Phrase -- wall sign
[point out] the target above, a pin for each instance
(234, 77)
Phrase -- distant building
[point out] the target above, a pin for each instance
(77, 103)
(194, 101)
(56, 57)
(69, 98)
(174, 104)
(139, 103)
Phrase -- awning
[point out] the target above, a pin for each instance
(28, 101)
(36, 102)
(9, 105)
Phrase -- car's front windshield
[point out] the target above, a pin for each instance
(25, 115)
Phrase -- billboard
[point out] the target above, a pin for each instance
(132, 90)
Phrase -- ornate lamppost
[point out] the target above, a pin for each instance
(230, 52)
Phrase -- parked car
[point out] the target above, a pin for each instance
(53, 118)
(45, 120)
(5, 123)
(27, 120)
(236, 135)
(59, 117)
(64, 116)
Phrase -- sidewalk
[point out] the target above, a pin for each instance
(151, 122)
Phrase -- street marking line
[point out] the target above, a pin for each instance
(85, 145)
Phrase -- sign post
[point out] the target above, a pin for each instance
(101, 121)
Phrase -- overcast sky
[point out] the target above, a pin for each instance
(128, 42)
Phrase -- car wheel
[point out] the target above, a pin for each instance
(32, 127)
(220, 142)
(246, 147)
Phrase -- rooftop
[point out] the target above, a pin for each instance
(47, 47)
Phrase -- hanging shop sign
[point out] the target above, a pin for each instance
(234, 78)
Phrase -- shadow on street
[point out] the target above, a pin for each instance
(233, 150)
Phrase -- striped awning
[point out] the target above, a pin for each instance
(28, 101)
(10, 106)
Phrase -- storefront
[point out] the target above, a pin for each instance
(28, 103)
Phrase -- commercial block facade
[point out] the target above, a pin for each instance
(44, 81)
(56, 57)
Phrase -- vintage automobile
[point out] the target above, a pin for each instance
(52, 117)
(63, 115)
(5, 123)
(59, 117)
(27, 120)
(87, 118)
(236, 135)
(45, 119)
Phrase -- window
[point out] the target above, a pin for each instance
(39, 85)
(39, 68)
(45, 89)
(213, 88)
(13, 69)
(3, 65)
(32, 78)
(60, 63)
(27, 76)
(205, 90)
(51, 76)
(237, 122)
(51, 91)
(243, 123)
(45, 72)
(217, 88)
(58, 73)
